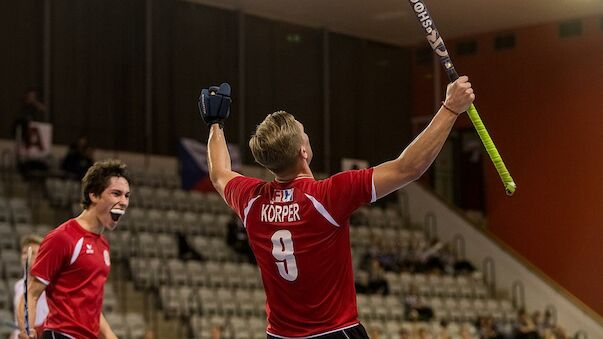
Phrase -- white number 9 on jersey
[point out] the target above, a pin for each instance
(282, 251)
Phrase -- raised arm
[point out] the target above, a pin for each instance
(214, 106)
(421, 153)
(218, 159)
(34, 291)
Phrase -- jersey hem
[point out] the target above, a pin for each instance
(314, 335)
(59, 332)
(373, 190)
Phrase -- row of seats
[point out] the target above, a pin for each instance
(236, 327)
(434, 329)
(7, 289)
(171, 221)
(62, 192)
(14, 211)
(364, 236)
(127, 326)
(178, 199)
(379, 218)
(215, 249)
(5, 330)
(125, 244)
(10, 263)
(253, 327)
(184, 301)
(468, 310)
(380, 307)
(464, 286)
(11, 235)
(155, 178)
(153, 272)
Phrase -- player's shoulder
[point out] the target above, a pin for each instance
(353, 173)
(66, 231)
(242, 183)
(247, 180)
(344, 177)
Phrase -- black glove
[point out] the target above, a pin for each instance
(214, 104)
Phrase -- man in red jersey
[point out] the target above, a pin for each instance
(298, 227)
(73, 261)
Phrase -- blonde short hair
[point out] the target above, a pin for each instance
(276, 141)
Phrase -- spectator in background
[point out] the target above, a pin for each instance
(388, 257)
(34, 242)
(486, 328)
(430, 257)
(538, 322)
(463, 267)
(549, 319)
(376, 278)
(423, 333)
(31, 110)
(465, 333)
(236, 238)
(404, 334)
(414, 307)
(525, 328)
(444, 332)
(374, 332)
(78, 159)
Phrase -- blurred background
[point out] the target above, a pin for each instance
(86, 80)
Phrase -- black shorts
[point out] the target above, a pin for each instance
(354, 332)
(48, 334)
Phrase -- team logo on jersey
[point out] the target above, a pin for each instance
(283, 195)
(107, 259)
(89, 249)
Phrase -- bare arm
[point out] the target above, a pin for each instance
(34, 290)
(105, 331)
(421, 153)
(218, 159)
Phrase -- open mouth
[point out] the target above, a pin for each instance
(117, 213)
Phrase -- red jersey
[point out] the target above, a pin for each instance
(73, 264)
(299, 233)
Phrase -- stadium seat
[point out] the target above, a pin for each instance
(136, 325)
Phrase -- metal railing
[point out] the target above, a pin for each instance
(431, 225)
(489, 270)
(552, 310)
(518, 295)
(458, 245)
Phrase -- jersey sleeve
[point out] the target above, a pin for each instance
(347, 191)
(239, 191)
(52, 256)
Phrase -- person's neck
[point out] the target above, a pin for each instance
(88, 220)
(298, 172)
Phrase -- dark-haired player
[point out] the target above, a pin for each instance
(73, 261)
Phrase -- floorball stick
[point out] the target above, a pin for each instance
(25, 275)
(437, 44)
